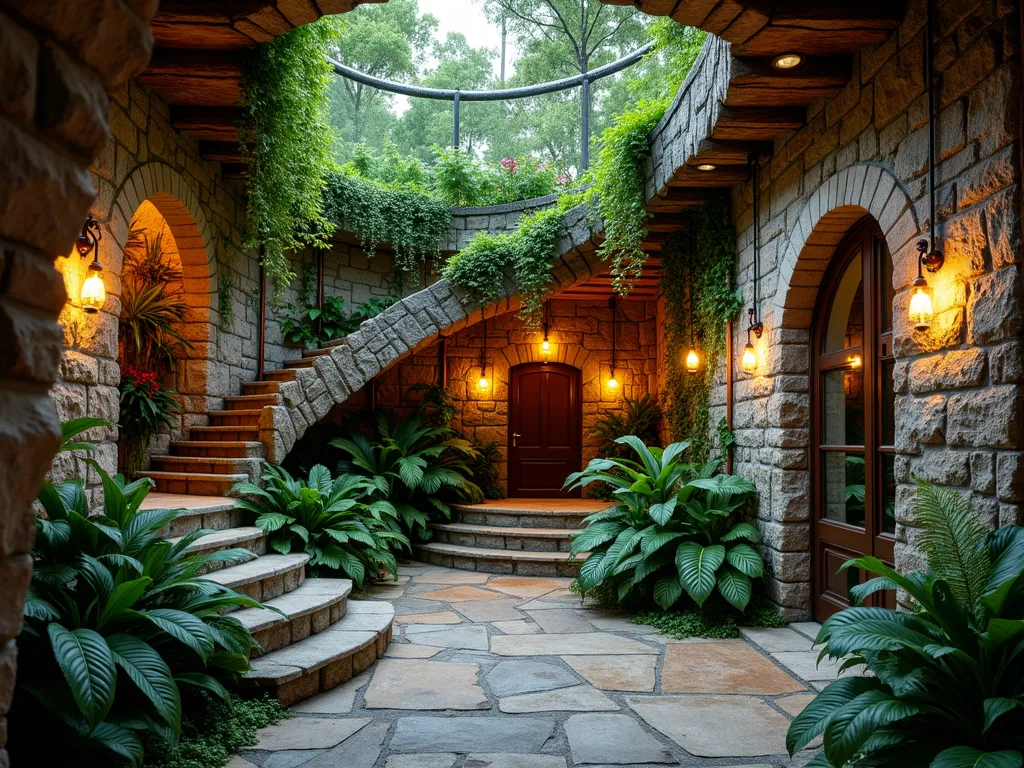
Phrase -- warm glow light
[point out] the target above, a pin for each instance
(706, 167)
(692, 361)
(921, 312)
(483, 383)
(613, 383)
(545, 347)
(749, 360)
(94, 293)
(855, 361)
(788, 61)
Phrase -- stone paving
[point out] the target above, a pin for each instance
(489, 671)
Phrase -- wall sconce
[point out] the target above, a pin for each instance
(754, 327)
(692, 356)
(749, 360)
(484, 383)
(93, 294)
(612, 381)
(545, 346)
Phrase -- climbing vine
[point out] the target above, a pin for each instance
(286, 135)
(415, 224)
(698, 266)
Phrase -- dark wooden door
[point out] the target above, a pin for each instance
(545, 436)
(854, 418)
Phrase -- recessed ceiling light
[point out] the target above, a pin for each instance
(706, 167)
(788, 61)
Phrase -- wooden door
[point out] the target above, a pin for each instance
(545, 437)
(854, 418)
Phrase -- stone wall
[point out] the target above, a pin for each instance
(864, 152)
(58, 60)
(580, 336)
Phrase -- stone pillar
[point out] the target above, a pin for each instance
(58, 61)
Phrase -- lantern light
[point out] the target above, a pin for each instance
(545, 346)
(749, 360)
(93, 294)
(483, 383)
(692, 361)
(788, 61)
(706, 167)
(612, 381)
(754, 327)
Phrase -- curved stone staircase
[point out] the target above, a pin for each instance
(524, 537)
(318, 639)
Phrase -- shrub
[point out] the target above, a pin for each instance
(485, 469)
(315, 326)
(672, 531)
(945, 685)
(415, 466)
(335, 521)
(146, 408)
(638, 417)
(522, 178)
(116, 620)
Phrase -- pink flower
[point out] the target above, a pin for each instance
(562, 179)
(510, 164)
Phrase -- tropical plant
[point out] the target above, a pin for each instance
(146, 408)
(116, 619)
(315, 326)
(485, 469)
(417, 467)
(437, 405)
(459, 180)
(335, 521)
(945, 687)
(673, 530)
(639, 417)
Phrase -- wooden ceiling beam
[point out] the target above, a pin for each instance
(754, 81)
(729, 152)
(208, 123)
(756, 123)
(221, 151)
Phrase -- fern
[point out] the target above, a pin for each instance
(951, 537)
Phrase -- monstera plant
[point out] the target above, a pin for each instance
(674, 529)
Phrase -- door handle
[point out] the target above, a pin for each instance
(514, 436)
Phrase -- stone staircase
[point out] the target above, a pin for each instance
(525, 537)
(319, 639)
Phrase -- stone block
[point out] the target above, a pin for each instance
(1006, 363)
(1010, 476)
(790, 495)
(994, 311)
(920, 421)
(1002, 221)
(942, 467)
(955, 369)
(988, 418)
(19, 54)
(73, 107)
(983, 477)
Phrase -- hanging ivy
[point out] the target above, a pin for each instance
(286, 134)
(414, 223)
(698, 265)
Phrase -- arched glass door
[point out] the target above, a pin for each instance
(854, 418)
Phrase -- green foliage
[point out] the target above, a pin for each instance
(673, 530)
(287, 136)
(414, 223)
(116, 621)
(335, 521)
(414, 466)
(146, 408)
(718, 620)
(314, 327)
(458, 179)
(637, 417)
(945, 688)
(698, 272)
(437, 405)
(213, 730)
(485, 469)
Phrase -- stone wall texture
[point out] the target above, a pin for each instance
(865, 152)
(58, 61)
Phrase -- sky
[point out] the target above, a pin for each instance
(467, 17)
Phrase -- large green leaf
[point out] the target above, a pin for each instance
(124, 597)
(667, 591)
(746, 531)
(996, 708)
(810, 723)
(88, 666)
(697, 567)
(183, 626)
(745, 559)
(661, 513)
(151, 675)
(204, 681)
(860, 717)
(594, 535)
(969, 757)
(119, 740)
(735, 587)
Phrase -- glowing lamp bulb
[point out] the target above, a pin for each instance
(483, 383)
(613, 383)
(788, 61)
(94, 293)
(749, 360)
(921, 312)
(855, 361)
(692, 361)
(545, 347)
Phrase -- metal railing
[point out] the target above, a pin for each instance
(582, 80)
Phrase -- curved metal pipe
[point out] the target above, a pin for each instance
(443, 94)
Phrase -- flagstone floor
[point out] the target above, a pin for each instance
(493, 671)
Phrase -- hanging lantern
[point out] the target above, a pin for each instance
(613, 383)
(94, 293)
(692, 361)
(484, 383)
(545, 346)
(748, 362)
(921, 311)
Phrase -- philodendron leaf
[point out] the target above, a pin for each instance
(744, 558)
(969, 757)
(697, 567)
(997, 707)
(88, 666)
(151, 675)
(667, 591)
(735, 587)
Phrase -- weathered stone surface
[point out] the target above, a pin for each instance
(308, 733)
(437, 617)
(609, 739)
(616, 673)
(74, 107)
(955, 369)
(410, 651)
(578, 698)
(511, 678)
(337, 701)
(986, 418)
(561, 621)
(804, 664)
(359, 751)
(516, 627)
(716, 726)
(490, 610)
(425, 685)
(432, 760)
(470, 637)
(794, 705)
(726, 666)
(920, 420)
(451, 577)
(459, 594)
(525, 587)
(993, 313)
(584, 644)
(441, 734)
(771, 640)
(514, 761)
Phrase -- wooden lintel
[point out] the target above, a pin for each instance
(207, 123)
(221, 151)
(756, 123)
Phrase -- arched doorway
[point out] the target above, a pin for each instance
(545, 441)
(853, 407)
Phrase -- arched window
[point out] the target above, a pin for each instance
(854, 424)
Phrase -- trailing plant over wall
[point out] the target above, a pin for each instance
(698, 270)
(414, 223)
(287, 136)
(315, 326)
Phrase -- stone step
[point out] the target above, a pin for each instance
(246, 402)
(247, 537)
(319, 352)
(209, 465)
(260, 387)
(250, 417)
(309, 610)
(210, 517)
(238, 449)
(302, 362)
(327, 659)
(512, 517)
(194, 483)
(225, 434)
(265, 577)
(506, 561)
(281, 374)
(496, 537)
